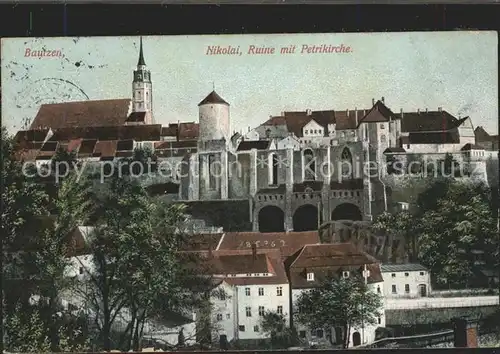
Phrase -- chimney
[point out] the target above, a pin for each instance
(373, 101)
(254, 251)
(249, 129)
(418, 110)
(308, 112)
(347, 112)
(426, 110)
(383, 100)
(356, 114)
(440, 109)
(402, 113)
(465, 333)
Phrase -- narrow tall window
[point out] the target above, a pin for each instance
(347, 165)
(407, 288)
(273, 169)
(279, 291)
(248, 311)
(212, 172)
(280, 310)
(309, 165)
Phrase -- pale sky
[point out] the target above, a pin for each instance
(454, 70)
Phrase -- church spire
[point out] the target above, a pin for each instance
(141, 56)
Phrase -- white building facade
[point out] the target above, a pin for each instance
(406, 280)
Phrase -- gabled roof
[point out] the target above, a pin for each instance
(428, 121)
(82, 114)
(136, 117)
(325, 255)
(278, 120)
(254, 144)
(378, 113)
(329, 260)
(213, 98)
(470, 146)
(286, 242)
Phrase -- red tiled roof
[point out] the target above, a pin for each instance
(30, 135)
(295, 121)
(171, 130)
(326, 260)
(87, 147)
(430, 121)
(74, 145)
(331, 255)
(274, 265)
(188, 131)
(253, 144)
(279, 120)
(136, 117)
(122, 132)
(82, 114)
(285, 242)
(106, 148)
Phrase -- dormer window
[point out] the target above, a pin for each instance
(310, 276)
(345, 274)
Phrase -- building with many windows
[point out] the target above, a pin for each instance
(295, 171)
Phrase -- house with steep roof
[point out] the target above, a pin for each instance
(310, 266)
(409, 280)
(264, 168)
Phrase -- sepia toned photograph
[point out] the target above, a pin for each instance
(250, 192)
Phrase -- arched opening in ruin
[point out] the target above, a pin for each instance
(347, 211)
(271, 219)
(306, 218)
(309, 166)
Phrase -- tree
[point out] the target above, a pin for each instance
(399, 226)
(275, 326)
(457, 220)
(347, 303)
(136, 264)
(34, 246)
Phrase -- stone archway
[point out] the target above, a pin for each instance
(305, 218)
(347, 211)
(271, 219)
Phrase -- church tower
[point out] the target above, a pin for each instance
(142, 90)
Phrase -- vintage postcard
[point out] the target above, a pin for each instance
(252, 191)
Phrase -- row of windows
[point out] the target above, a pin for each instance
(395, 289)
(262, 310)
(310, 276)
(406, 274)
(313, 131)
(242, 328)
(279, 291)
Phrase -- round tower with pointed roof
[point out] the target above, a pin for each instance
(214, 118)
